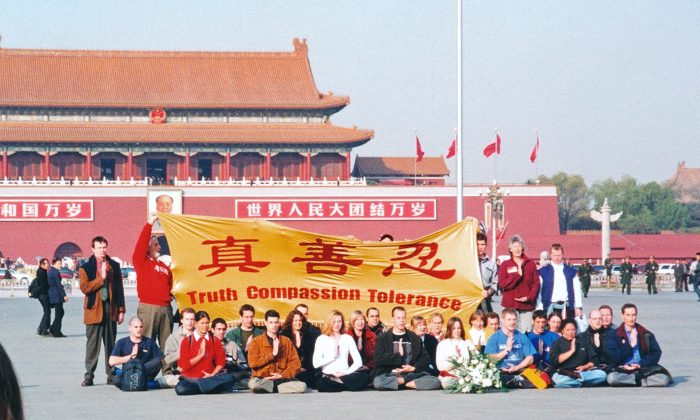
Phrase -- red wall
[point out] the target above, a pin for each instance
(120, 219)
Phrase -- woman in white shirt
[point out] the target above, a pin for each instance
(331, 355)
(454, 345)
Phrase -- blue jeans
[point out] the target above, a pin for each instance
(588, 378)
(696, 288)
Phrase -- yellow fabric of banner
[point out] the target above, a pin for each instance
(220, 264)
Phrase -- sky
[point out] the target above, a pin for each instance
(612, 88)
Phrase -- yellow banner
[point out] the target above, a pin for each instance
(220, 264)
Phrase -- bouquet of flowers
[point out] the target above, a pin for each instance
(474, 372)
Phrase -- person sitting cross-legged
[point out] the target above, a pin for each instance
(274, 360)
(331, 355)
(453, 346)
(572, 360)
(634, 353)
(541, 339)
(511, 350)
(401, 359)
(136, 346)
(202, 360)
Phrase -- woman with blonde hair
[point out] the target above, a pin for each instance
(430, 343)
(331, 356)
(477, 332)
(363, 337)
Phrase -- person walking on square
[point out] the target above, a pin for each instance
(608, 264)
(626, 270)
(153, 285)
(695, 274)
(585, 271)
(43, 297)
(678, 273)
(57, 295)
(103, 306)
(650, 270)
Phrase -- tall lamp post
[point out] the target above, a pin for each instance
(494, 212)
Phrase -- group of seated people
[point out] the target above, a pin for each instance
(293, 356)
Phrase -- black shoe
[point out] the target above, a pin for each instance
(628, 293)
(59, 335)
(109, 380)
(655, 292)
(87, 382)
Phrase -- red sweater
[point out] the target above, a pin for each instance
(515, 285)
(214, 356)
(153, 278)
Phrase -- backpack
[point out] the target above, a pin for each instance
(133, 376)
(33, 289)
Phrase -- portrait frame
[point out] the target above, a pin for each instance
(158, 200)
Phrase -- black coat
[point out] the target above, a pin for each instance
(386, 360)
(43, 281)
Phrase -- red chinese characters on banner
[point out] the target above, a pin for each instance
(327, 257)
(337, 209)
(232, 253)
(416, 251)
(46, 210)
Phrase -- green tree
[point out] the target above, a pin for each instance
(572, 198)
(647, 208)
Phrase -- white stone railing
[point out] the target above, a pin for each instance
(76, 182)
(216, 182)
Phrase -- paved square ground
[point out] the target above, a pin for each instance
(51, 370)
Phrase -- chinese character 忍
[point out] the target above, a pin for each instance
(404, 253)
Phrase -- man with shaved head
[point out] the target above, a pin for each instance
(595, 335)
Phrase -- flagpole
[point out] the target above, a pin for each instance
(537, 161)
(460, 136)
(495, 161)
(415, 161)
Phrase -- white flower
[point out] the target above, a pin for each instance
(487, 382)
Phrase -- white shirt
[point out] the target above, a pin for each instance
(559, 291)
(477, 337)
(447, 349)
(332, 355)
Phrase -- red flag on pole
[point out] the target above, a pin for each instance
(419, 151)
(494, 147)
(452, 150)
(533, 155)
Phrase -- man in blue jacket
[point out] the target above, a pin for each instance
(57, 295)
(635, 353)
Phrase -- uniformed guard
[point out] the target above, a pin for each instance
(608, 263)
(585, 271)
(650, 270)
(626, 270)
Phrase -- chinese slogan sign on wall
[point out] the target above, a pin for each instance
(221, 264)
(45, 210)
(340, 209)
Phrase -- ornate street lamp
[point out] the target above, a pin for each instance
(494, 212)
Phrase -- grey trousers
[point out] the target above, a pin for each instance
(390, 381)
(157, 322)
(105, 331)
(282, 386)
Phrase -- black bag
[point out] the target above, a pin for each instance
(33, 289)
(133, 376)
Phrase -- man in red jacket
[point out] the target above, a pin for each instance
(154, 282)
(520, 283)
